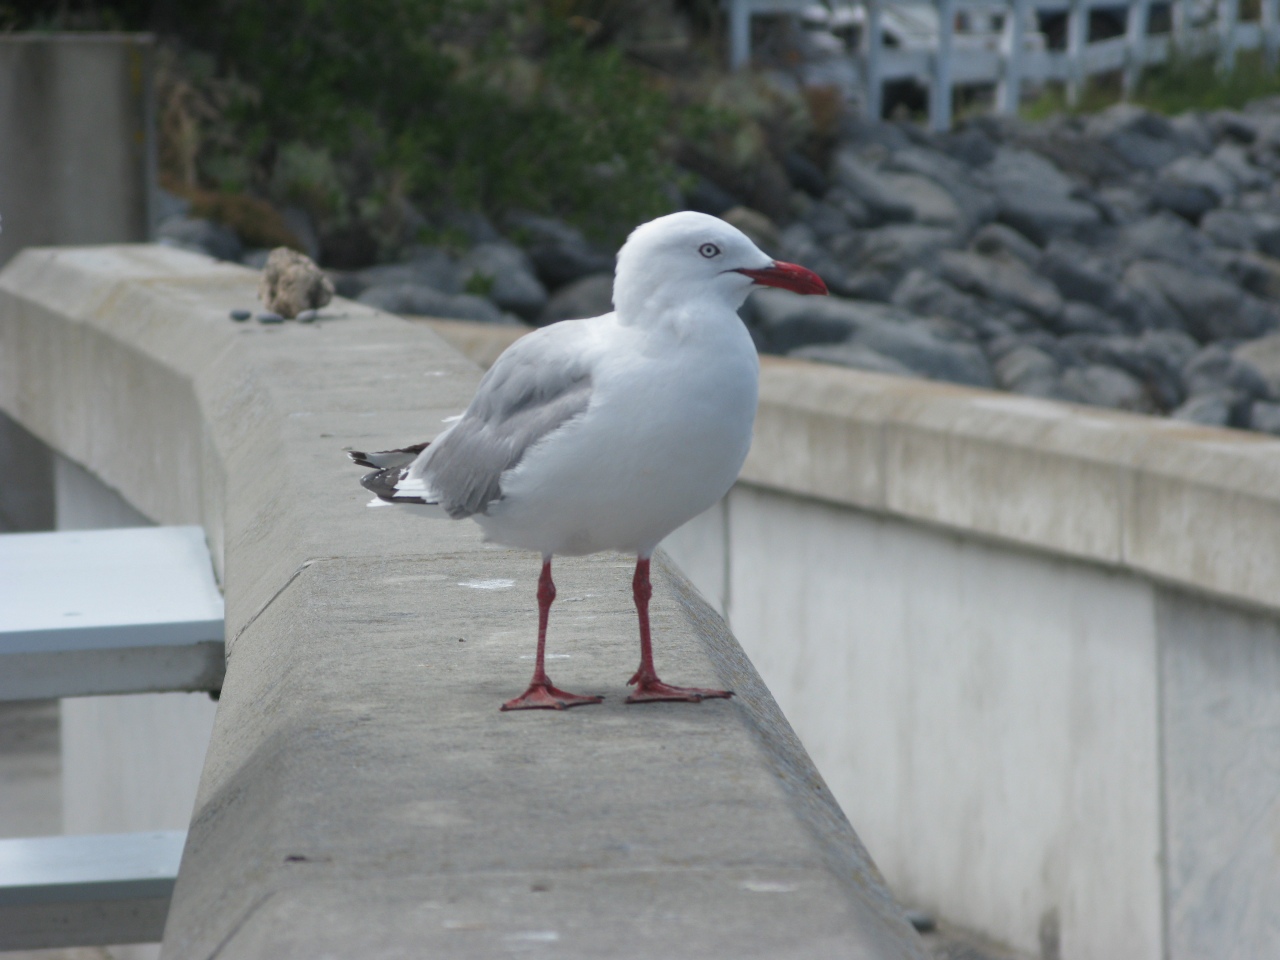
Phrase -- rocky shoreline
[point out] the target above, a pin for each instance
(1125, 260)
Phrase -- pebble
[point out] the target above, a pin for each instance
(270, 318)
(308, 316)
(240, 316)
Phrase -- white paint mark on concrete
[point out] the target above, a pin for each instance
(488, 584)
(535, 936)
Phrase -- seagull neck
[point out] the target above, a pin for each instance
(662, 307)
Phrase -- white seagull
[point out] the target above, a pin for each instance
(608, 433)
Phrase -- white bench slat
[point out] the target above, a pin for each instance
(86, 890)
(108, 611)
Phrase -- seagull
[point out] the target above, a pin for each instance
(608, 433)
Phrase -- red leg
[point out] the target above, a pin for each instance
(542, 695)
(648, 687)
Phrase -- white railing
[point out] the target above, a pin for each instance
(1016, 56)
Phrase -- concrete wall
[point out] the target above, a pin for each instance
(362, 795)
(1034, 650)
(77, 145)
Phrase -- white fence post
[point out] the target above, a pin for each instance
(1013, 44)
(1077, 37)
(1270, 17)
(872, 41)
(1228, 17)
(739, 34)
(1135, 44)
(940, 87)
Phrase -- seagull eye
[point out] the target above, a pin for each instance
(709, 250)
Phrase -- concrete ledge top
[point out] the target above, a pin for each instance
(363, 797)
(1195, 506)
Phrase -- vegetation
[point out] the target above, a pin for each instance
(1183, 83)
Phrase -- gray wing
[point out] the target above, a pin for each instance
(541, 383)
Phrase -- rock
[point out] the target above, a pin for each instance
(855, 356)
(269, 317)
(308, 316)
(1123, 204)
(1209, 409)
(1235, 161)
(472, 224)
(894, 249)
(1155, 360)
(559, 252)
(503, 273)
(804, 173)
(1189, 201)
(200, 236)
(871, 188)
(915, 346)
(759, 229)
(1203, 172)
(826, 220)
(1214, 369)
(1255, 272)
(240, 316)
(798, 244)
(418, 299)
(969, 145)
(1027, 369)
(1264, 416)
(1162, 236)
(1078, 274)
(1210, 308)
(1144, 140)
(1080, 317)
(291, 282)
(927, 295)
(430, 266)
(1005, 243)
(1263, 355)
(1234, 229)
(1105, 386)
(976, 204)
(589, 296)
(1004, 282)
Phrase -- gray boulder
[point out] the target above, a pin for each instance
(1078, 274)
(1028, 370)
(1263, 355)
(877, 193)
(417, 299)
(1209, 409)
(504, 273)
(924, 294)
(1205, 173)
(1143, 139)
(1215, 369)
(589, 296)
(1002, 281)
(1105, 386)
(201, 236)
(1210, 308)
(1080, 317)
(976, 204)
(1264, 416)
(559, 252)
(430, 266)
(1005, 243)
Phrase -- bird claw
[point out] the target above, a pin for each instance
(543, 696)
(654, 690)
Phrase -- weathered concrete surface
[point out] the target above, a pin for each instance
(77, 150)
(363, 796)
(1195, 506)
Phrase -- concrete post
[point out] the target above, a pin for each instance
(1228, 17)
(77, 151)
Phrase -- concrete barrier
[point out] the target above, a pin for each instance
(77, 139)
(1034, 648)
(362, 795)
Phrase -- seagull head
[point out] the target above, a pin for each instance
(690, 256)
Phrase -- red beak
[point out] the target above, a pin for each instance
(788, 276)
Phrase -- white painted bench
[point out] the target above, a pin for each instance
(86, 891)
(93, 612)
